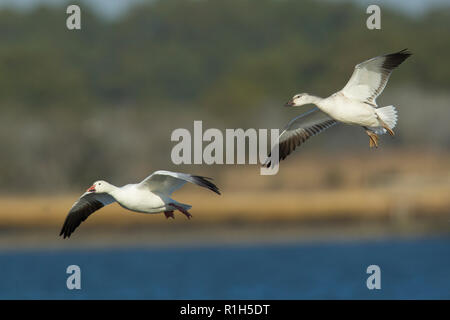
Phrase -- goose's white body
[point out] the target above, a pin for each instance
(349, 111)
(141, 200)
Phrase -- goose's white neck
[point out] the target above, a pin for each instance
(310, 99)
(113, 191)
(102, 186)
(304, 98)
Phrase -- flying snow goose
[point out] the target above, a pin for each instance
(152, 195)
(355, 104)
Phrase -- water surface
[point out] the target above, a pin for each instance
(410, 269)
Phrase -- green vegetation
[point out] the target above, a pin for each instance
(231, 54)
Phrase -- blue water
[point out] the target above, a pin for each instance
(410, 269)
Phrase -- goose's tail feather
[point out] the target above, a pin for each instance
(389, 116)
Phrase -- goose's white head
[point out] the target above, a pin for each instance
(100, 186)
(298, 100)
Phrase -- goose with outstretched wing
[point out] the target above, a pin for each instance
(152, 195)
(355, 104)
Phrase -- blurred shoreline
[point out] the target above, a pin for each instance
(256, 207)
(206, 235)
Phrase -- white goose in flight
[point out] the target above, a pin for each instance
(152, 195)
(355, 104)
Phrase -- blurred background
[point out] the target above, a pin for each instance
(102, 102)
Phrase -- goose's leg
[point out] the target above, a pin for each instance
(182, 210)
(169, 214)
(384, 125)
(373, 138)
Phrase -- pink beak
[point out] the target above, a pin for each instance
(91, 189)
(290, 103)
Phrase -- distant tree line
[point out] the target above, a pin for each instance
(233, 54)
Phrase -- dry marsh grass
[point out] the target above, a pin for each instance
(382, 185)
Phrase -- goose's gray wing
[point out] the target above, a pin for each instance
(300, 129)
(167, 182)
(87, 204)
(370, 77)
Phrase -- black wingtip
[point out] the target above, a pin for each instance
(204, 182)
(65, 233)
(405, 52)
(65, 230)
(62, 232)
(393, 60)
